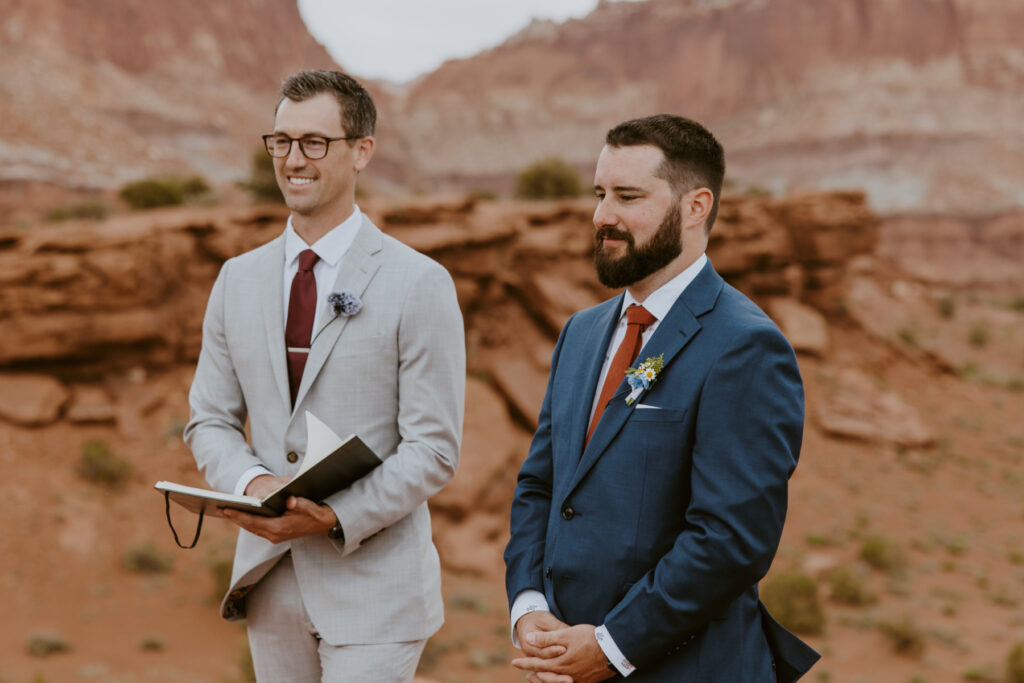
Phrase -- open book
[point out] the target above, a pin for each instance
(330, 465)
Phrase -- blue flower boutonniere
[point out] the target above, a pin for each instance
(643, 376)
(345, 303)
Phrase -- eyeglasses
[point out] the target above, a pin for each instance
(312, 146)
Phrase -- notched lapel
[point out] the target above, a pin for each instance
(358, 267)
(678, 328)
(271, 271)
(602, 328)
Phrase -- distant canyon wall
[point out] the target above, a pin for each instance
(918, 104)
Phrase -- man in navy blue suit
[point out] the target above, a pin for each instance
(654, 493)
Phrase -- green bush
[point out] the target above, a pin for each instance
(548, 179)
(482, 194)
(100, 465)
(80, 210)
(146, 559)
(153, 192)
(904, 636)
(884, 554)
(151, 644)
(245, 666)
(1015, 664)
(46, 644)
(946, 306)
(847, 587)
(792, 598)
(978, 335)
(195, 186)
(220, 570)
(164, 191)
(262, 183)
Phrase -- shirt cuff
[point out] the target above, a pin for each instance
(248, 476)
(612, 651)
(527, 601)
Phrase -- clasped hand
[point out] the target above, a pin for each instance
(302, 517)
(559, 653)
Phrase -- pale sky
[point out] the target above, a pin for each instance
(398, 40)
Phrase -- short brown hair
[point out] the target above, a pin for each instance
(358, 114)
(693, 157)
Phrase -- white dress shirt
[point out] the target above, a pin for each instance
(331, 248)
(657, 304)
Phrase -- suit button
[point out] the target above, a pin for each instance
(292, 457)
(568, 513)
(547, 573)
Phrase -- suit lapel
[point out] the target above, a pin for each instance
(678, 328)
(271, 273)
(358, 267)
(602, 329)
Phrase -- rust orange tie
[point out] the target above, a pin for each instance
(637, 320)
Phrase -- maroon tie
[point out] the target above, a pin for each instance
(637, 320)
(301, 311)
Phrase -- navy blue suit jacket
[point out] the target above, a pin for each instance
(661, 527)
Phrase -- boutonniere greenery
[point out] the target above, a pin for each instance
(643, 376)
(345, 303)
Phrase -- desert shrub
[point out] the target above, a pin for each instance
(884, 554)
(904, 636)
(146, 559)
(246, 669)
(550, 178)
(978, 335)
(262, 183)
(46, 644)
(792, 598)
(1015, 664)
(482, 194)
(153, 192)
(195, 186)
(220, 570)
(946, 305)
(847, 587)
(100, 465)
(909, 336)
(151, 644)
(79, 210)
(980, 674)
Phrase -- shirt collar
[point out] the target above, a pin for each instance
(662, 299)
(331, 247)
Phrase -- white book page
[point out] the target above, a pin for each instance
(206, 493)
(321, 441)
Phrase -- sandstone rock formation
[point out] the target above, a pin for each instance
(99, 94)
(99, 330)
(915, 103)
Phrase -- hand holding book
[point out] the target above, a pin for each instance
(330, 465)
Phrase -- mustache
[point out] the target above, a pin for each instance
(612, 233)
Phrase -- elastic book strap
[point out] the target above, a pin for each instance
(199, 526)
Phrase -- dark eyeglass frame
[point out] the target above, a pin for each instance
(269, 138)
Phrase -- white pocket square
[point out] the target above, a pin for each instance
(644, 406)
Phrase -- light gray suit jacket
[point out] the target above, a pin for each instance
(394, 374)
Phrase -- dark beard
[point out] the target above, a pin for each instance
(638, 262)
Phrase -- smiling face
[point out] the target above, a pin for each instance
(319, 192)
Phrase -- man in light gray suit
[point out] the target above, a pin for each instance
(348, 590)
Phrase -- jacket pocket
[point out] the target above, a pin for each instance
(662, 415)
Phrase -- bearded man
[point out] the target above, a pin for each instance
(654, 493)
